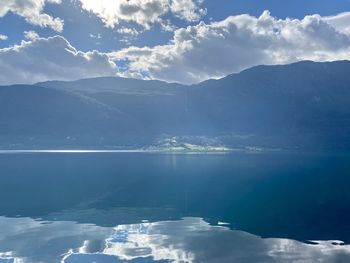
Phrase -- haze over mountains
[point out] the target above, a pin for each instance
(302, 105)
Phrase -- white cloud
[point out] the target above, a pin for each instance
(97, 36)
(127, 30)
(128, 34)
(142, 12)
(3, 37)
(30, 35)
(187, 10)
(32, 11)
(341, 22)
(214, 50)
(51, 58)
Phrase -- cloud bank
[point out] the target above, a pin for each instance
(50, 58)
(214, 50)
(32, 11)
(194, 54)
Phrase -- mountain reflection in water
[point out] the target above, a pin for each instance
(109, 207)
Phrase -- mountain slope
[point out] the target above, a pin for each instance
(304, 99)
(157, 105)
(302, 105)
(302, 92)
(37, 115)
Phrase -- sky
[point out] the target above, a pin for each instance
(185, 41)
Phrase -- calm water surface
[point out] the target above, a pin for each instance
(141, 207)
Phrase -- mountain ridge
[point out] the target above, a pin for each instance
(189, 85)
(300, 105)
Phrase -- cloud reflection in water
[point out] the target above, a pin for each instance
(188, 240)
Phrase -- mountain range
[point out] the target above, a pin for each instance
(304, 105)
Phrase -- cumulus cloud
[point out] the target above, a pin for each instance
(30, 35)
(194, 54)
(214, 50)
(3, 37)
(32, 11)
(341, 22)
(142, 12)
(51, 58)
(187, 10)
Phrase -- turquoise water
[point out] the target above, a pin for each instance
(148, 207)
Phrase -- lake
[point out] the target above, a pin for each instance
(151, 207)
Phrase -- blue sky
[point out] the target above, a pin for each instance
(163, 39)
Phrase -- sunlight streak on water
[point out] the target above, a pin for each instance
(111, 151)
(69, 151)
